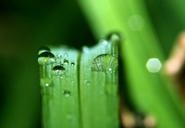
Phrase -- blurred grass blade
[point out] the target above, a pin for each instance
(59, 83)
(150, 92)
(98, 85)
(165, 14)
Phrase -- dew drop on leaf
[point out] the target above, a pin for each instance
(110, 70)
(104, 63)
(72, 64)
(67, 93)
(46, 57)
(100, 63)
(43, 49)
(45, 82)
(66, 61)
(58, 70)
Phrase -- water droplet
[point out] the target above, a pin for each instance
(87, 82)
(66, 61)
(43, 49)
(67, 93)
(136, 22)
(153, 65)
(104, 63)
(58, 70)
(45, 82)
(72, 64)
(110, 70)
(97, 64)
(46, 57)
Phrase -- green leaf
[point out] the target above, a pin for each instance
(98, 85)
(59, 84)
(80, 90)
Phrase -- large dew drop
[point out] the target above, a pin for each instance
(104, 63)
(153, 65)
(43, 49)
(46, 57)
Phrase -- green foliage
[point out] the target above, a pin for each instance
(80, 89)
(99, 85)
(59, 84)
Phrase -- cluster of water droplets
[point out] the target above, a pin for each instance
(50, 62)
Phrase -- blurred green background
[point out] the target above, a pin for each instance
(25, 25)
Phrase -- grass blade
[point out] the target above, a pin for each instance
(98, 85)
(85, 97)
(80, 92)
(59, 83)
